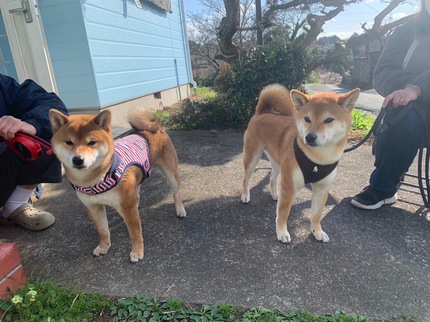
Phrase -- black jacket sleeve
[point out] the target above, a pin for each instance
(31, 103)
(389, 74)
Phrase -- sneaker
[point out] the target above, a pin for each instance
(371, 199)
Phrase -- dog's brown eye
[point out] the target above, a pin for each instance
(328, 120)
(307, 119)
(91, 143)
(68, 142)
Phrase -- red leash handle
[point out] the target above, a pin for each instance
(29, 147)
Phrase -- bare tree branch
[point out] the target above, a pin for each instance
(378, 30)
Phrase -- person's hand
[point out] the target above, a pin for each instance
(402, 97)
(10, 125)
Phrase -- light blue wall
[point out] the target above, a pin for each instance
(106, 52)
(7, 67)
(70, 55)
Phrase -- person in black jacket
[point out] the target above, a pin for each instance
(402, 76)
(25, 108)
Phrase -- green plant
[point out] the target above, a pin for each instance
(162, 116)
(238, 86)
(361, 121)
(206, 93)
(46, 301)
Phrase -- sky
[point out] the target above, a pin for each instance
(348, 21)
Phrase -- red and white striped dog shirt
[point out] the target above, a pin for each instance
(130, 150)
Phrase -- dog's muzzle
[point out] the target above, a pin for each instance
(78, 162)
(311, 139)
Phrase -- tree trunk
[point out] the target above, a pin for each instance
(226, 31)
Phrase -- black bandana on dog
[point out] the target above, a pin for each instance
(312, 171)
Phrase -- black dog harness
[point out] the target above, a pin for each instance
(312, 172)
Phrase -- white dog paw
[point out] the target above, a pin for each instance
(284, 236)
(99, 250)
(135, 257)
(321, 236)
(181, 212)
(245, 198)
(274, 196)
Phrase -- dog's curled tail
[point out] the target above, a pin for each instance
(275, 99)
(142, 119)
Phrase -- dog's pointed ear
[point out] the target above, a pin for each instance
(349, 99)
(104, 120)
(57, 120)
(299, 99)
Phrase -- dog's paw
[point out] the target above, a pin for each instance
(321, 236)
(181, 212)
(100, 250)
(245, 198)
(135, 256)
(274, 195)
(283, 236)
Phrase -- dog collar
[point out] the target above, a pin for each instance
(312, 172)
(130, 150)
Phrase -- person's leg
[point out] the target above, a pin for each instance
(19, 196)
(9, 169)
(395, 151)
(21, 178)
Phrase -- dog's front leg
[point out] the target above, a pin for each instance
(130, 214)
(97, 214)
(285, 202)
(319, 199)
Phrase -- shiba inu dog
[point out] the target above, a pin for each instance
(108, 173)
(304, 137)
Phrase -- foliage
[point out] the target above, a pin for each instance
(361, 121)
(46, 301)
(143, 308)
(206, 92)
(239, 85)
(206, 114)
(208, 81)
(263, 65)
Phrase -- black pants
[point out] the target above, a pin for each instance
(14, 172)
(396, 148)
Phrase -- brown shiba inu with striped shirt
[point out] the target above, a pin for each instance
(108, 173)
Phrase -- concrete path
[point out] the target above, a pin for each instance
(376, 263)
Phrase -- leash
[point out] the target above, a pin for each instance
(29, 147)
(382, 122)
(375, 129)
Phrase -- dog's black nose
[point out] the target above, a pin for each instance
(77, 161)
(311, 138)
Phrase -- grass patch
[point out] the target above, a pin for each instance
(206, 93)
(46, 301)
(361, 124)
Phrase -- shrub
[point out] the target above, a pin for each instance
(239, 85)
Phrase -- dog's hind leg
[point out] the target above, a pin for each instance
(171, 173)
(97, 214)
(130, 214)
(319, 199)
(274, 175)
(251, 156)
